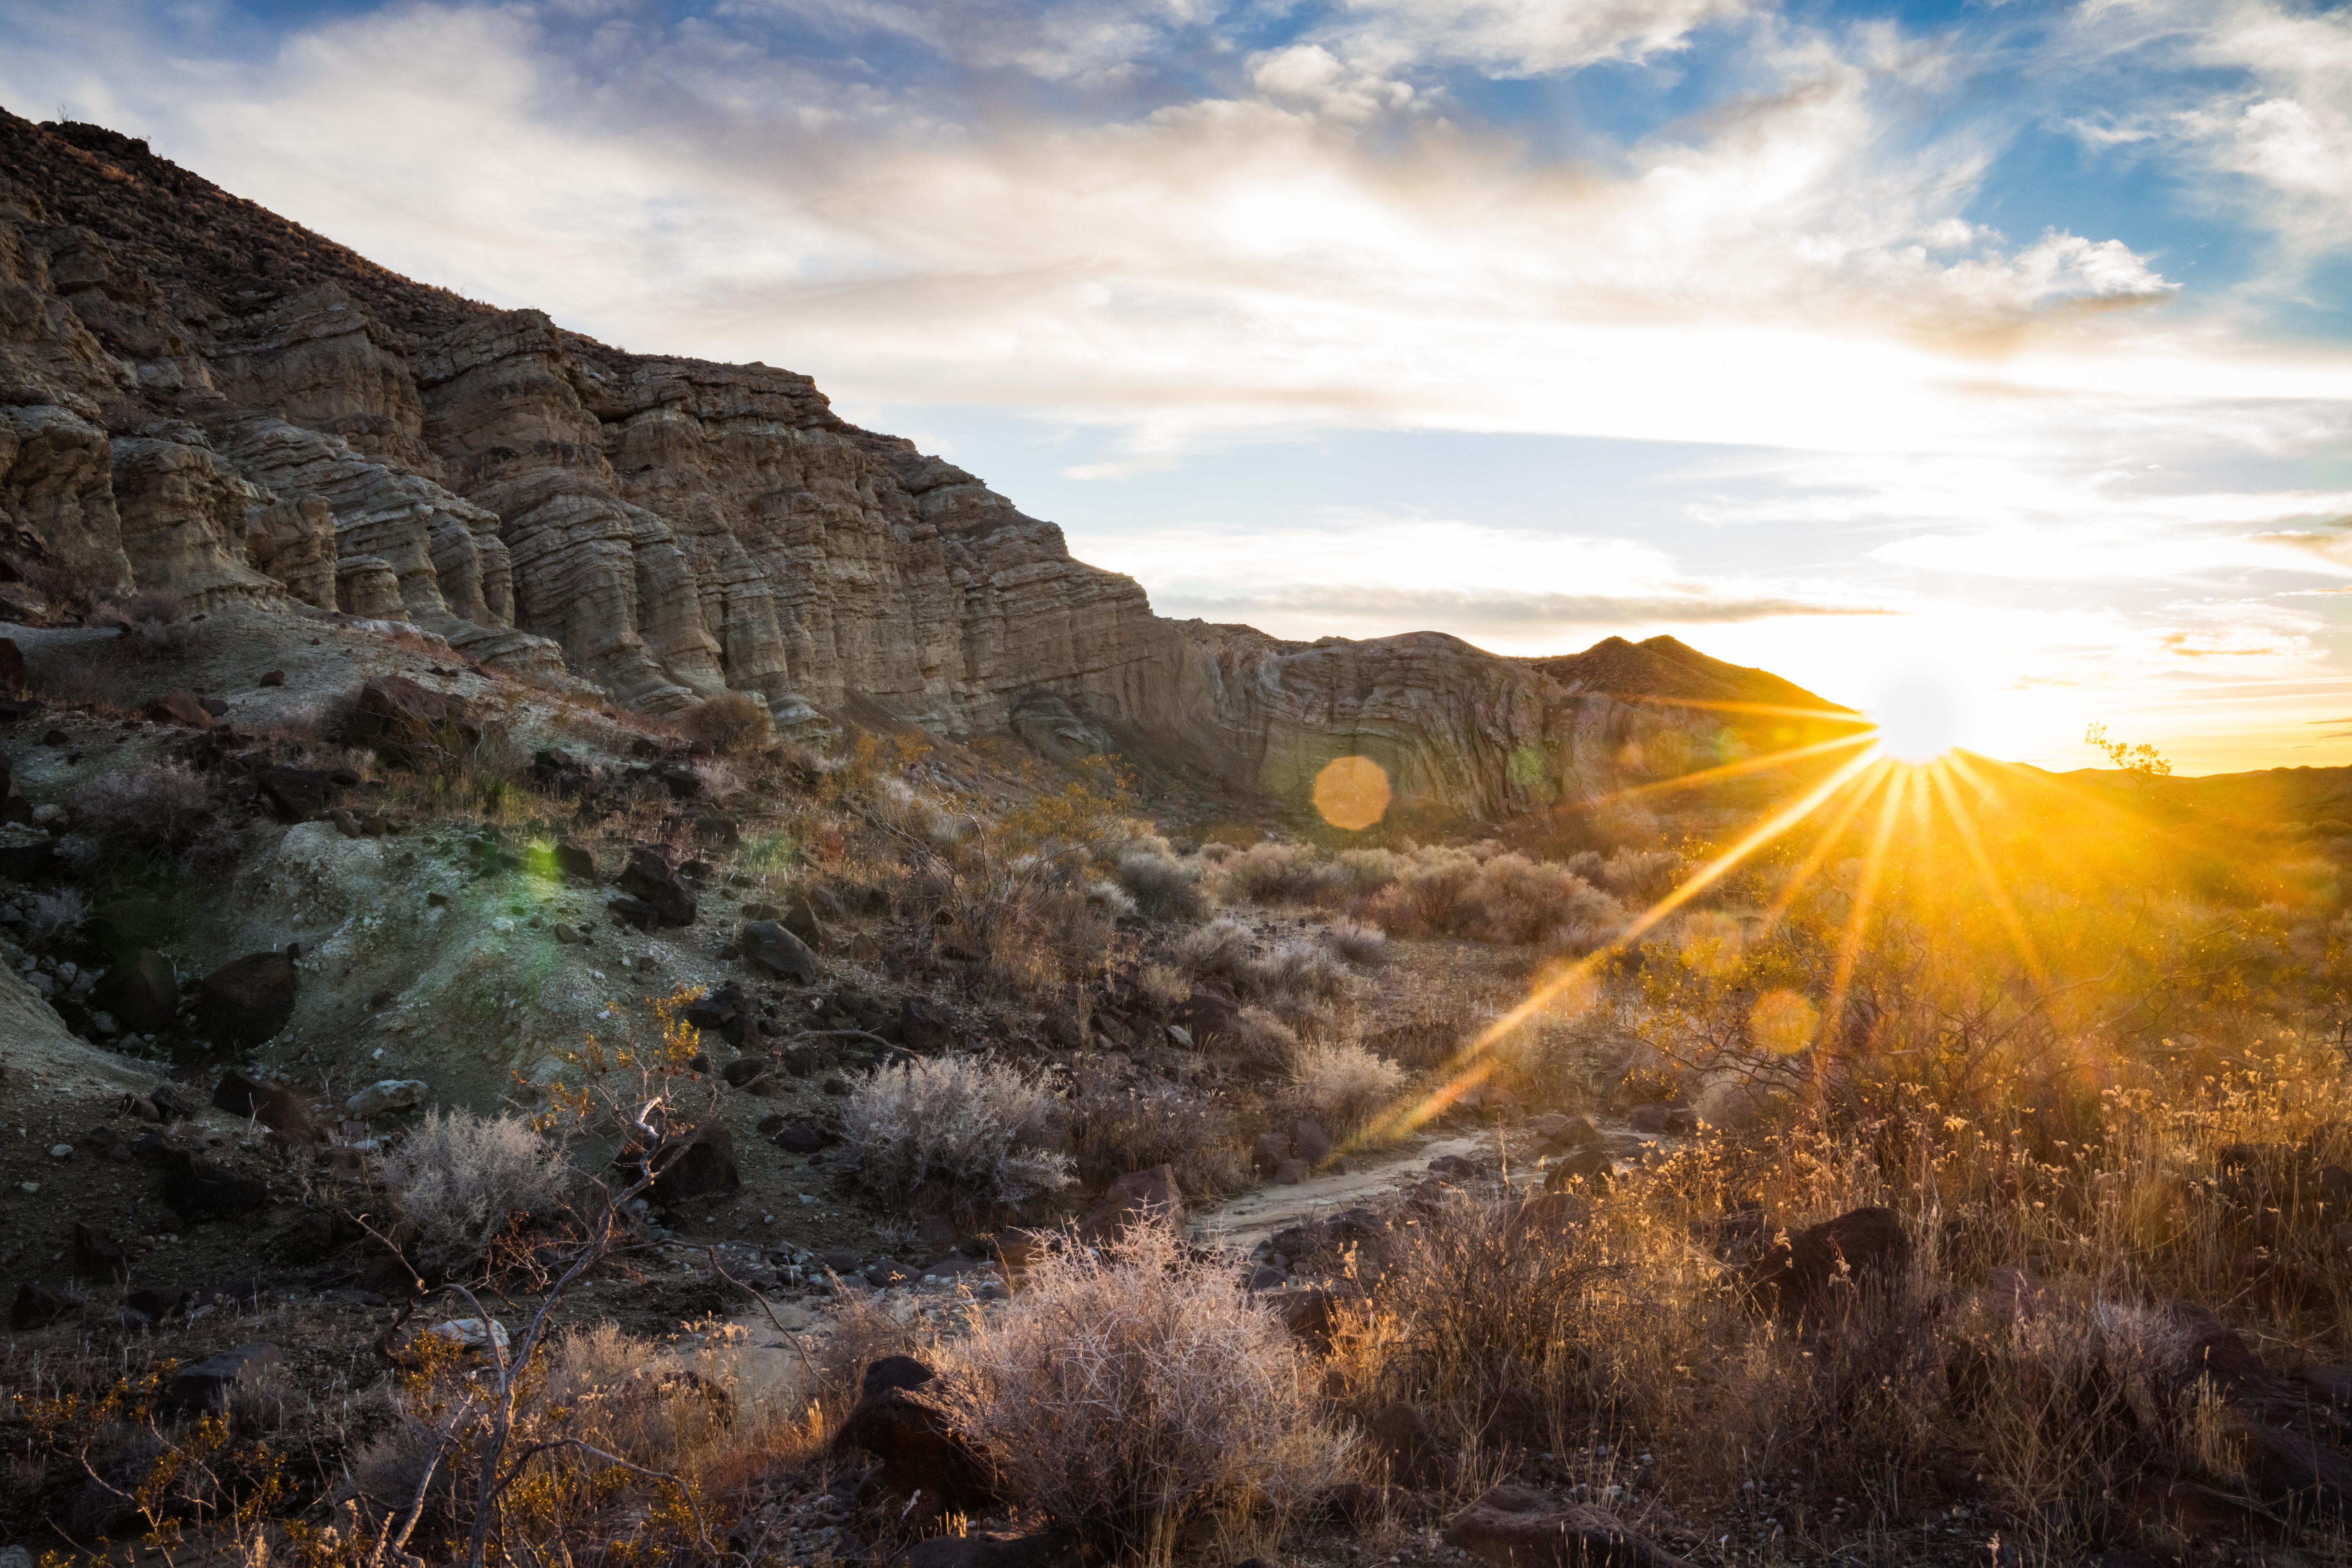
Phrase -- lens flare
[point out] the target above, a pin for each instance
(1352, 793)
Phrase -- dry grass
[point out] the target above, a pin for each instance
(1117, 1127)
(956, 1134)
(461, 1178)
(1134, 1395)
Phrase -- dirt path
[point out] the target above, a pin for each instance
(1239, 1223)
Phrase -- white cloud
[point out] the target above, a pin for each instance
(1521, 37)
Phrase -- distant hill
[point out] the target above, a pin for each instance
(1666, 669)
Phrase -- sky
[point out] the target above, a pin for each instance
(1987, 362)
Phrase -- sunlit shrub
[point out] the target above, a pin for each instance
(1130, 1392)
(965, 1132)
(461, 1178)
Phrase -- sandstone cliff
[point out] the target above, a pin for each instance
(195, 395)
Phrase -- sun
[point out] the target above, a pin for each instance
(1917, 732)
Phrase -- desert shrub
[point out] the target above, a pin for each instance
(462, 1178)
(1353, 942)
(1133, 1392)
(1342, 1086)
(155, 808)
(956, 1132)
(1296, 972)
(1218, 951)
(54, 914)
(1165, 887)
(1117, 1127)
(599, 1392)
(1274, 873)
(1262, 1038)
(1645, 874)
(1164, 985)
(729, 722)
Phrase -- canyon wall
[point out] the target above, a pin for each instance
(199, 396)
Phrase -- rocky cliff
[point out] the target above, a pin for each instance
(197, 396)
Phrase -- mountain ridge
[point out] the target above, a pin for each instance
(200, 396)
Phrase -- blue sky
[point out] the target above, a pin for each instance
(1992, 357)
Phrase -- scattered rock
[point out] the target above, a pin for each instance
(803, 1138)
(1138, 1196)
(1401, 1435)
(408, 723)
(199, 1189)
(1518, 1527)
(924, 1026)
(245, 1004)
(1212, 1016)
(123, 926)
(769, 949)
(923, 1457)
(272, 1105)
(1290, 1172)
(691, 1164)
(385, 1095)
(1313, 1143)
(574, 861)
(140, 991)
(97, 1255)
(37, 1306)
(209, 1384)
(182, 708)
(272, 678)
(1801, 1273)
(1268, 1152)
(649, 879)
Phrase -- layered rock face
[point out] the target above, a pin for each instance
(197, 396)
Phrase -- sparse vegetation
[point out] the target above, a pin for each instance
(1132, 1393)
(958, 1132)
(461, 1178)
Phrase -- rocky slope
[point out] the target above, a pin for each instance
(197, 396)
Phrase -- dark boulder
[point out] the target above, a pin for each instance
(1813, 1271)
(1268, 1152)
(37, 1306)
(272, 1105)
(649, 878)
(753, 1074)
(687, 1164)
(922, 1457)
(411, 724)
(1137, 1196)
(803, 1138)
(769, 948)
(97, 1255)
(926, 1026)
(199, 1189)
(572, 860)
(124, 925)
(1212, 1016)
(245, 1002)
(1401, 1436)
(209, 1384)
(15, 679)
(716, 1009)
(295, 794)
(140, 991)
(182, 708)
